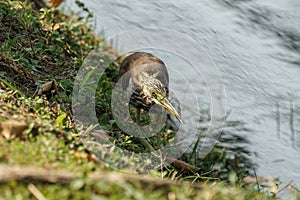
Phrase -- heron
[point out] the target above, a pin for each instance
(148, 78)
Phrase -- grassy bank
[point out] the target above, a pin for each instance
(41, 151)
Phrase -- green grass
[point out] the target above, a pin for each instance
(99, 190)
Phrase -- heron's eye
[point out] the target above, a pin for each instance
(159, 96)
(153, 94)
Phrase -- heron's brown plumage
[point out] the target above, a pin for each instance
(139, 62)
(148, 79)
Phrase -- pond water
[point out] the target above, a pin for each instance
(255, 46)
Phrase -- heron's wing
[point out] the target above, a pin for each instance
(124, 68)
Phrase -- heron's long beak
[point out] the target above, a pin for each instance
(168, 106)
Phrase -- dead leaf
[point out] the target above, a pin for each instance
(55, 3)
(12, 129)
(47, 87)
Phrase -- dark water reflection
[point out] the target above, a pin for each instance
(278, 24)
(230, 154)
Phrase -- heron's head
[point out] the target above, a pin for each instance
(153, 91)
